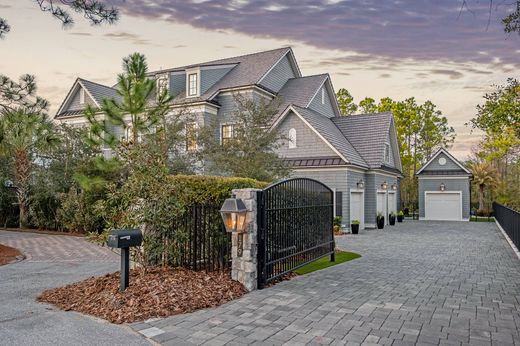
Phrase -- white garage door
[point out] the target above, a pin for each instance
(381, 205)
(443, 205)
(357, 208)
(392, 203)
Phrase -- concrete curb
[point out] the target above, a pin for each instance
(517, 253)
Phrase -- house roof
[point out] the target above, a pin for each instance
(99, 91)
(326, 129)
(248, 70)
(445, 152)
(367, 133)
(300, 91)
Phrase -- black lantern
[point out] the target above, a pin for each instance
(442, 187)
(360, 184)
(384, 185)
(234, 213)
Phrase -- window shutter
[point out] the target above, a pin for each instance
(339, 203)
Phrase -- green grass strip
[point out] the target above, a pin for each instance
(322, 263)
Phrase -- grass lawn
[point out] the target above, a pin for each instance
(341, 256)
(482, 219)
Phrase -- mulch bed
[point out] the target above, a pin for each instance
(8, 254)
(158, 292)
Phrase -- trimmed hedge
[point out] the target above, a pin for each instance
(200, 189)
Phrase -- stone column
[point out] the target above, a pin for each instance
(244, 267)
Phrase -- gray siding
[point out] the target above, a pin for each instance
(373, 183)
(326, 109)
(449, 166)
(308, 144)
(451, 185)
(74, 104)
(335, 179)
(391, 142)
(177, 84)
(279, 75)
(209, 77)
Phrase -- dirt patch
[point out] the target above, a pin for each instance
(8, 254)
(158, 292)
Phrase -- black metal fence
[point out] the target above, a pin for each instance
(198, 240)
(509, 219)
(294, 226)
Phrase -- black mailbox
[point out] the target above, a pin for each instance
(122, 238)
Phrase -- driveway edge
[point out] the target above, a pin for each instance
(517, 253)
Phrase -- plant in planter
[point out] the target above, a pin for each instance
(354, 226)
(400, 216)
(380, 220)
(336, 225)
(391, 219)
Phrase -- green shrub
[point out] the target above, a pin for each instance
(400, 213)
(354, 222)
(337, 221)
(77, 213)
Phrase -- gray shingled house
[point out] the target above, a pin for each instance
(356, 156)
(444, 188)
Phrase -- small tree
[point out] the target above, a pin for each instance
(22, 137)
(346, 102)
(484, 176)
(250, 150)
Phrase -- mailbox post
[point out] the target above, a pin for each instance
(124, 239)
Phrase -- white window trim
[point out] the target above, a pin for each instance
(293, 139)
(222, 132)
(189, 72)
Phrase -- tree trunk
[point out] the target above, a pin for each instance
(481, 197)
(22, 173)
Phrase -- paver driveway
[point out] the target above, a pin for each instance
(427, 283)
(53, 261)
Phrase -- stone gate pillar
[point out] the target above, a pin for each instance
(244, 245)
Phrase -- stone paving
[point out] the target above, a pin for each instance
(424, 283)
(38, 247)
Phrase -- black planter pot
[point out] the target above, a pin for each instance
(399, 218)
(354, 229)
(391, 220)
(381, 222)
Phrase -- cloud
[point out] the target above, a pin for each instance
(450, 73)
(126, 36)
(80, 34)
(404, 29)
(385, 75)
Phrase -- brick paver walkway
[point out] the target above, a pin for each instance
(424, 283)
(56, 248)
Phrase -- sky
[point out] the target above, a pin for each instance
(428, 49)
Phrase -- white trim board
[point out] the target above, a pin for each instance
(445, 193)
(444, 177)
(442, 150)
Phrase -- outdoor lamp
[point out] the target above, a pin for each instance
(234, 213)
(442, 187)
(9, 184)
(394, 187)
(384, 185)
(360, 184)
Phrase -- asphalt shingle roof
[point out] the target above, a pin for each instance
(332, 134)
(367, 133)
(299, 91)
(99, 91)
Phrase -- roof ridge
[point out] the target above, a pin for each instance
(86, 80)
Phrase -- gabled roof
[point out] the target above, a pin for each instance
(367, 133)
(445, 152)
(94, 90)
(249, 70)
(300, 91)
(331, 134)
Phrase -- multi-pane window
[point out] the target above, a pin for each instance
(192, 84)
(387, 153)
(191, 136)
(227, 133)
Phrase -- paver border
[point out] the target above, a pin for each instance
(517, 253)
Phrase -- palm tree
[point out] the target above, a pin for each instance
(484, 176)
(22, 136)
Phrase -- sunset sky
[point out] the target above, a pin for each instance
(377, 48)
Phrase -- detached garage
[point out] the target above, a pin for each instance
(444, 189)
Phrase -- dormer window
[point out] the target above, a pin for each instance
(81, 96)
(162, 84)
(193, 84)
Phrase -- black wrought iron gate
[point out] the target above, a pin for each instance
(294, 226)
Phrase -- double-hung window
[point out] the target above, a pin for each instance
(228, 132)
(193, 84)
